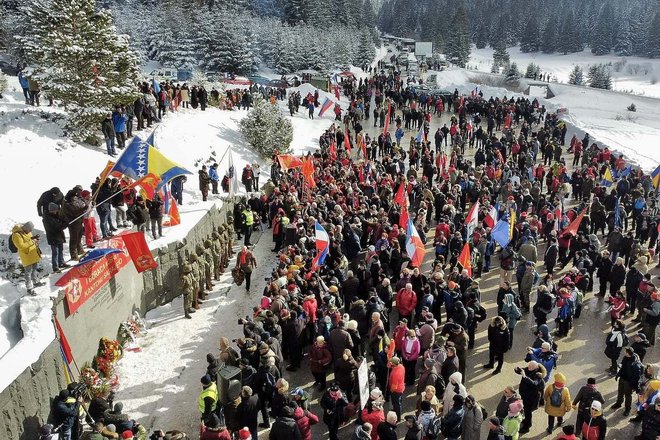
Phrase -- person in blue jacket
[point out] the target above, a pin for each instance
(213, 174)
(544, 356)
(65, 414)
(25, 86)
(119, 119)
(398, 134)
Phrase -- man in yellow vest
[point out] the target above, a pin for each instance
(208, 398)
(248, 222)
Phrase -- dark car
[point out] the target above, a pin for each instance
(8, 68)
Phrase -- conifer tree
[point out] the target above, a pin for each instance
(602, 34)
(266, 128)
(501, 56)
(599, 77)
(623, 45)
(533, 71)
(366, 52)
(79, 60)
(653, 41)
(531, 38)
(458, 43)
(576, 77)
(550, 36)
(512, 73)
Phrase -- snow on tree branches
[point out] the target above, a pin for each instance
(266, 128)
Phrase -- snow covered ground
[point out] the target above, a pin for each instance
(601, 113)
(41, 158)
(640, 76)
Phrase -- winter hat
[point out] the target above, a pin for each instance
(546, 346)
(560, 379)
(127, 434)
(298, 392)
(591, 381)
(53, 207)
(515, 407)
(28, 226)
(206, 380)
(118, 408)
(244, 434)
(376, 394)
(459, 400)
(352, 325)
(494, 421)
(46, 429)
(395, 361)
(111, 427)
(411, 418)
(596, 405)
(213, 421)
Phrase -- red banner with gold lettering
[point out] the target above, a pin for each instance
(81, 282)
(138, 249)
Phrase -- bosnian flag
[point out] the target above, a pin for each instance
(325, 107)
(414, 245)
(472, 219)
(491, 217)
(322, 246)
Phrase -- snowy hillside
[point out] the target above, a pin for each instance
(41, 159)
(601, 113)
(640, 76)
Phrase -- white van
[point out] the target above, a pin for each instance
(164, 74)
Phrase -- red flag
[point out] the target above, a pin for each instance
(175, 217)
(575, 224)
(404, 217)
(333, 151)
(64, 344)
(387, 119)
(465, 257)
(308, 171)
(137, 248)
(348, 142)
(148, 183)
(390, 350)
(363, 148)
(400, 196)
(288, 161)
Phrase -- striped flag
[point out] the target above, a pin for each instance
(322, 246)
(608, 179)
(414, 245)
(472, 219)
(420, 134)
(326, 106)
(655, 177)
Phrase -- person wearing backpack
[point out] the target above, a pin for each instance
(628, 377)
(27, 247)
(582, 402)
(557, 401)
(452, 422)
(614, 343)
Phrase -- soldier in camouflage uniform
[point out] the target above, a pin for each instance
(188, 288)
(210, 264)
(229, 226)
(224, 246)
(204, 272)
(216, 249)
(194, 264)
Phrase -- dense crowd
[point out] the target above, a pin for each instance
(415, 328)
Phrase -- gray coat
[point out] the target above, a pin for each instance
(472, 423)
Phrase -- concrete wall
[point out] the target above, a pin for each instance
(25, 404)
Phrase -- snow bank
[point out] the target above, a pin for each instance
(634, 73)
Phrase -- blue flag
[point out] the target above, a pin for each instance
(155, 85)
(420, 135)
(96, 254)
(617, 215)
(500, 233)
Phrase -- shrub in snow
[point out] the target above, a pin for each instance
(266, 128)
(576, 77)
(632, 107)
(79, 60)
(512, 73)
(533, 71)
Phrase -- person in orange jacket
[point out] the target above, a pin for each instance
(397, 385)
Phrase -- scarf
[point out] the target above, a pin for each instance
(243, 259)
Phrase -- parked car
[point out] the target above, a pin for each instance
(165, 74)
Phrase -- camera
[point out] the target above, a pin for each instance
(79, 390)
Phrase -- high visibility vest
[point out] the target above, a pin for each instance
(210, 391)
(249, 218)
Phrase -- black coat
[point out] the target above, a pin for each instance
(155, 208)
(248, 410)
(284, 428)
(604, 269)
(386, 431)
(498, 339)
(54, 225)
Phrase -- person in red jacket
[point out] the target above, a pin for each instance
(305, 420)
(595, 426)
(399, 334)
(397, 385)
(373, 411)
(214, 430)
(406, 300)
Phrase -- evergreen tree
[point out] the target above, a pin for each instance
(531, 37)
(3, 83)
(226, 47)
(512, 73)
(294, 11)
(653, 41)
(532, 71)
(550, 36)
(366, 52)
(576, 77)
(603, 33)
(458, 44)
(80, 60)
(569, 40)
(599, 77)
(623, 45)
(501, 56)
(266, 128)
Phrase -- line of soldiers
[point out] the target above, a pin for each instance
(207, 262)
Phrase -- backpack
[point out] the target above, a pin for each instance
(269, 383)
(435, 428)
(10, 244)
(556, 397)
(484, 412)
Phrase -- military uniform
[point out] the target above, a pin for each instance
(229, 230)
(222, 243)
(188, 288)
(215, 250)
(194, 264)
(210, 263)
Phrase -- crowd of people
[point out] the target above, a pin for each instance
(369, 305)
